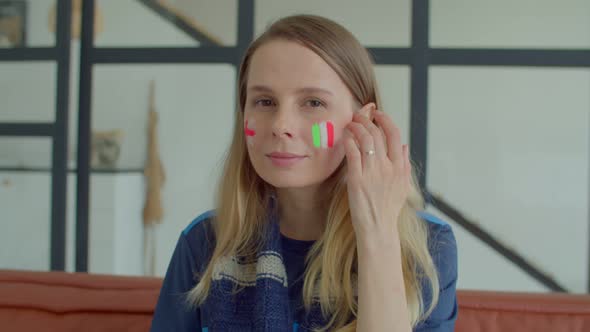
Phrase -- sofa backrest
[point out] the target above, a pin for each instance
(59, 301)
(510, 311)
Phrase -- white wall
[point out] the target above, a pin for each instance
(129, 23)
(507, 146)
(510, 24)
(375, 23)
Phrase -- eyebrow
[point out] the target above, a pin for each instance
(263, 88)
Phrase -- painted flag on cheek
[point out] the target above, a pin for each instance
(323, 134)
(248, 131)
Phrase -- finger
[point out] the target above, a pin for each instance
(353, 154)
(409, 173)
(356, 142)
(377, 136)
(369, 122)
(392, 134)
(407, 162)
(365, 140)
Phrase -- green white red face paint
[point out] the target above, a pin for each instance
(249, 131)
(323, 134)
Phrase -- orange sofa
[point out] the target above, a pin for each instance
(58, 301)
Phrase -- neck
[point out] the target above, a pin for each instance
(301, 212)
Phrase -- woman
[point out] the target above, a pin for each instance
(318, 223)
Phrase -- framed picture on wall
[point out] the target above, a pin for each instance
(13, 18)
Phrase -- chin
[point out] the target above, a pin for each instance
(282, 181)
(295, 177)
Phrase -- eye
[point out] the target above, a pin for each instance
(263, 102)
(314, 103)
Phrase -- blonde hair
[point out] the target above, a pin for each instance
(331, 264)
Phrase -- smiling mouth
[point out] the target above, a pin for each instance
(278, 154)
(285, 160)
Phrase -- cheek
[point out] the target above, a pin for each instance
(250, 131)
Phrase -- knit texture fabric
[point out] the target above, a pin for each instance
(263, 303)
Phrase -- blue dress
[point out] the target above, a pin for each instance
(194, 248)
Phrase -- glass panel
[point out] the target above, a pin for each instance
(27, 91)
(394, 87)
(71, 193)
(167, 23)
(510, 24)
(195, 105)
(509, 148)
(25, 202)
(185, 95)
(25, 153)
(27, 24)
(375, 22)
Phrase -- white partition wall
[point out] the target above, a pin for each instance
(508, 147)
(195, 104)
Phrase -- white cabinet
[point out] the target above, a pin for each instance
(115, 228)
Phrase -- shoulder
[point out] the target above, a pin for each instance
(443, 250)
(439, 231)
(200, 237)
(432, 220)
(200, 223)
(442, 247)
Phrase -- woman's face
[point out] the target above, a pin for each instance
(295, 113)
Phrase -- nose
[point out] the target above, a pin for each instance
(282, 125)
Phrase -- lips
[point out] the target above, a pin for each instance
(284, 155)
(285, 159)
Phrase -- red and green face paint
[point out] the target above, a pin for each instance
(249, 132)
(323, 134)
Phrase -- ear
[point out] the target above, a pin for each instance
(369, 111)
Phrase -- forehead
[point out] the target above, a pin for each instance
(286, 65)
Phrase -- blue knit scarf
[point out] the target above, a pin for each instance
(263, 304)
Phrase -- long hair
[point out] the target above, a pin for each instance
(331, 264)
